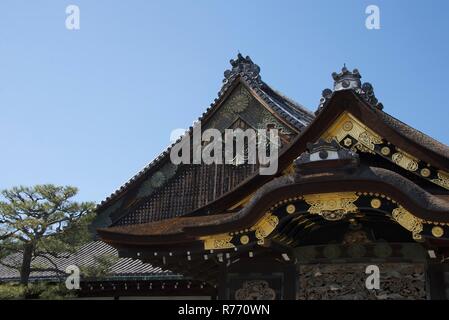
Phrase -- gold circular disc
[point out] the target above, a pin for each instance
(291, 208)
(347, 126)
(437, 232)
(376, 203)
(244, 239)
(425, 172)
(347, 142)
(385, 151)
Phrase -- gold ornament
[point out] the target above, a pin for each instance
(220, 241)
(376, 203)
(291, 209)
(266, 226)
(443, 179)
(347, 142)
(385, 151)
(405, 161)
(425, 172)
(408, 221)
(347, 126)
(332, 206)
(244, 239)
(437, 232)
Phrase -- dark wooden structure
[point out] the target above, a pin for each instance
(355, 187)
(124, 278)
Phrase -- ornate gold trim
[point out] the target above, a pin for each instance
(332, 206)
(353, 134)
(443, 179)
(265, 226)
(408, 221)
(346, 125)
(220, 241)
(405, 160)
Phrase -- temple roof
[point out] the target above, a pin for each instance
(428, 158)
(243, 71)
(366, 179)
(122, 268)
(415, 135)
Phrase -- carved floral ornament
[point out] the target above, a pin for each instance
(350, 133)
(354, 135)
(255, 290)
(330, 207)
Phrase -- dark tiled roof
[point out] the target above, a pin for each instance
(170, 226)
(292, 112)
(415, 135)
(86, 257)
(427, 206)
(295, 113)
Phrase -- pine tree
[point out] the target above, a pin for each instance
(41, 221)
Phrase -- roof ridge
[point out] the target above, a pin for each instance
(158, 159)
(293, 102)
(243, 70)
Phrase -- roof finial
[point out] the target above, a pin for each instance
(243, 67)
(347, 80)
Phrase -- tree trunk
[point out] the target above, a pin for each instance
(25, 269)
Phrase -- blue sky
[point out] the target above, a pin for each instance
(91, 107)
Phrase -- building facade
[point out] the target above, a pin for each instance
(357, 193)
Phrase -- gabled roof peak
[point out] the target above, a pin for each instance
(350, 80)
(243, 66)
(346, 79)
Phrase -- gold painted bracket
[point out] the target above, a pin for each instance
(353, 134)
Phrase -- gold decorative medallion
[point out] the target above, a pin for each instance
(347, 126)
(385, 151)
(291, 209)
(408, 221)
(244, 239)
(332, 206)
(347, 142)
(437, 232)
(425, 172)
(376, 203)
(266, 226)
(405, 161)
(443, 179)
(219, 241)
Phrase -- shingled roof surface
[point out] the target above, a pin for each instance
(246, 72)
(415, 135)
(86, 257)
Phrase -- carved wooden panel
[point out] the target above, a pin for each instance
(398, 281)
(176, 190)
